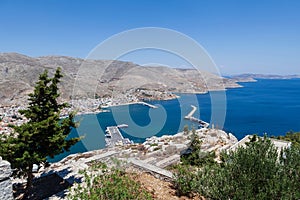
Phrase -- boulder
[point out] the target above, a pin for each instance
(5, 181)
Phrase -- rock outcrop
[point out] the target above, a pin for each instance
(5, 181)
(153, 156)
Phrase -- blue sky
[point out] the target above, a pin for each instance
(245, 36)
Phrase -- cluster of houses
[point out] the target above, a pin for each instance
(9, 115)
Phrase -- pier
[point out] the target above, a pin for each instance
(147, 104)
(190, 117)
(113, 136)
(191, 113)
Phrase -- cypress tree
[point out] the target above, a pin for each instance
(44, 134)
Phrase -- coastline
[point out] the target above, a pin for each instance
(89, 106)
(236, 133)
(104, 108)
(176, 96)
(128, 103)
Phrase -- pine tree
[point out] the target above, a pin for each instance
(44, 134)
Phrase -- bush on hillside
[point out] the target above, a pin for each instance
(252, 172)
(291, 136)
(106, 183)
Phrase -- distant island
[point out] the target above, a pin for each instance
(253, 77)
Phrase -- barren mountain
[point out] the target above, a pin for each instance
(87, 78)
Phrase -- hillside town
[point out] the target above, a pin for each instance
(10, 116)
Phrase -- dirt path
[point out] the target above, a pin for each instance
(161, 190)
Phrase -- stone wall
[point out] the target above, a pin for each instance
(5, 181)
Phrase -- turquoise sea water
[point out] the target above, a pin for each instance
(265, 106)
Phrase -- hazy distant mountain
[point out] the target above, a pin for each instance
(249, 77)
(18, 74)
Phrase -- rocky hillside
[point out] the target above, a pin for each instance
(18, 74)
(154, 157)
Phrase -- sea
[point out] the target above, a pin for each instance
(268, 106)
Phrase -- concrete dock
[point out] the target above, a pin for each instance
(194, 108)
(114, 137)
(194, 119)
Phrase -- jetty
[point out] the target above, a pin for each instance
(190, 117)
(113, 136)
(194, 108)
(147, 104)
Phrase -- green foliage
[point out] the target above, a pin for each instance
(195, 156)
(44, 134)
(104, 183)
(10, 125)
(252, 172)
(193, 130)
(291, 136)
(156, 148)
(290, 176)
(186, 129)
(185, 180)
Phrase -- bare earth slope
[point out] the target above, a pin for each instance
(18, 74)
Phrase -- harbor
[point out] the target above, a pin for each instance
(202, 124)
(114, 137)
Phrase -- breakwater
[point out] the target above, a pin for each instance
(202, 124)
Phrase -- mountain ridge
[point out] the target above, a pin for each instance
(104, 78)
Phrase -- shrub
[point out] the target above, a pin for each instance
(195, 156)
(185, 180)
(105, 183)
(156, 149)
(252, 172)
(291, 136)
